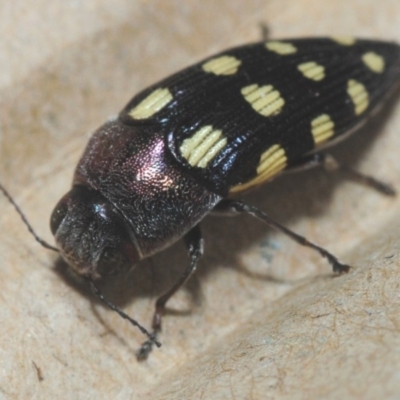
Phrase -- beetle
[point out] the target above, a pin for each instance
(189, 144)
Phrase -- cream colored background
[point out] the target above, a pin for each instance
(263, 318)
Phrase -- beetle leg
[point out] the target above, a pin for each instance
(195, 245)
(329, 163)
(238, 207)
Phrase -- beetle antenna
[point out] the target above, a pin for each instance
(25, 220)
(96, 291)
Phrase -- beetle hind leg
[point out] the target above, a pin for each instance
(329, 163)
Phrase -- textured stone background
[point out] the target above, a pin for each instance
(263, 318)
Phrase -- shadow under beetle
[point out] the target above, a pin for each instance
(188, 145)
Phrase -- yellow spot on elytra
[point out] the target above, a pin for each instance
(359, 95)
(203, 146)
(322, 128)
(374, 62)
(153, 103)
(344, 40)
(265, 100)
(282, 48)
(272, 161)
(224, 65)
(312, 70)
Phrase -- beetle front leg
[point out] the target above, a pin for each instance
(195, 245)
(329, 163)
(233, 207)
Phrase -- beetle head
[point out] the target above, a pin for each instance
(92, 235)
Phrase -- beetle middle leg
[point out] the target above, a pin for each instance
(195, 245)
(329, 163)
(234, 207)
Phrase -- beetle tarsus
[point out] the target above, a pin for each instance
(145, 349)
(340, 268)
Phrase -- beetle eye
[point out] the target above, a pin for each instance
(59, 213)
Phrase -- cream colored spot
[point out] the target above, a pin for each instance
(265, 100)
(282, 48)
(272, 161)
(344, 40)
(374, 62)
(322, 128)
(312, 70)
(203, 146)
(153, 103)
(224, 65)
(359, 95)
